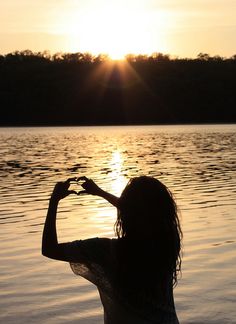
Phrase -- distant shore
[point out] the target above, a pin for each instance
(116, 125)
(39, 90)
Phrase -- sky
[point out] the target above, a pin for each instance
(181, 28)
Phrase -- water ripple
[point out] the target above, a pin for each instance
(196, 162)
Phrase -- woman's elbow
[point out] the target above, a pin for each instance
(48, 253)
(53, 253)
(45, 253)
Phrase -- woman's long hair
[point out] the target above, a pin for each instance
(149, 232)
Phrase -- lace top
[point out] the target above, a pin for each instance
(96, 260)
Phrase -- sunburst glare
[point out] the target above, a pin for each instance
(116, 28)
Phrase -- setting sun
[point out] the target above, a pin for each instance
(115, 29)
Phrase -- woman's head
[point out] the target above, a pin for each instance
(147, 211)
(146, 208)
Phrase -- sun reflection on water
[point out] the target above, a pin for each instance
(118, 179)
(103, 215)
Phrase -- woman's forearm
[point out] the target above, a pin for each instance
(50, 246)
(109, 197)
(49, 241)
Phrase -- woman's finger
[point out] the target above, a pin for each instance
(71, 179)
(82, 192)
(72, 192)
(82, 178)
(84, 185)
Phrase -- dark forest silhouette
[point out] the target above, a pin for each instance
(82, 89)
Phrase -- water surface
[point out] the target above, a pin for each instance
(196, 162)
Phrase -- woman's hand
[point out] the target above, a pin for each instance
(61, 190)
(89, 186)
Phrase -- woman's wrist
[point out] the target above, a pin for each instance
(54, 200)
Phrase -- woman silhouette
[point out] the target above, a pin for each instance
(135, 273)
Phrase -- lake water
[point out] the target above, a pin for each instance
(198, 163)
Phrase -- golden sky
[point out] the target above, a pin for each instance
(177, 27)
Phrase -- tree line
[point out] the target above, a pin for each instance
(85, 89)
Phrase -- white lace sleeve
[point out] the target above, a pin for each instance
(93, 259)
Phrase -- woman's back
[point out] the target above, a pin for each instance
(140, 298)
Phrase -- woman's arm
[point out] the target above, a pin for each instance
(109, 197)
(49, 242)
(50, 246)
(93, 189)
